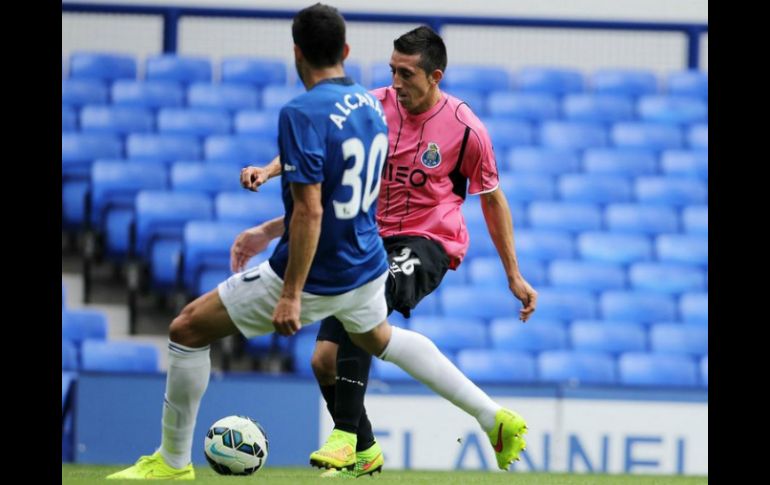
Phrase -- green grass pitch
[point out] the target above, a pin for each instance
(94, 474)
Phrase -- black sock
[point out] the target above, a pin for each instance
(352, 376)
(328, 393)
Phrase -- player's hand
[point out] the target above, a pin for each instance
(286, 316)
(527, 295)
(253, 177)
(248, 244)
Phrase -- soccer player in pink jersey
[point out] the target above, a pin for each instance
(439, 151)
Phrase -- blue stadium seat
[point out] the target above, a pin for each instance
(494, 366)
(599, 108)
(479, 78)
(429, 306)
(577, 135)
(102, 66)
(666, 277)
(203, 177)
(193, 121)
(695, 219)
(576, 367)
(672, 109)
(247, 207)
(473, 98)
(148, 94)
(457, 277)
(206, 244)
(641, 218)
(69, 119)
(302, 345)
(506, 133)
(630, 82)
(79, 325)
(614, 247)
(614, 339)
(115, 183)
(163, 148)
(694, 308)
(557, 81)
(587, 275)
(390, 372)
(576, 216)
(683, 248)
(552, 161)
(120, 120)
(672, 191)
(253, 71)
(274, 97)
(526, 106)
(620, 161)
(657, 370)
(270, 343)
(688, 83)
(698, 136)
(686, 163)
(677, 338)
(451, 334)
(222, 96)
(565, 304)
(79, 150)
(643, 134)
(69, 355)
(67, 379)
(704, 370)
(163, 214)
(354, 71)
(473, 302)
(527, 187)
(595, 188)
(240, 150)
(80, 92)
(489, 271)
(180, 69)
(380, 76)
(510, 334)
(257, 122)
(544, 244)
(636, 306)
(110, 356)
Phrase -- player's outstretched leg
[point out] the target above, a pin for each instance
(507, 437)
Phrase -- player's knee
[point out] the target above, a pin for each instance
(324, 367)
(185, 329)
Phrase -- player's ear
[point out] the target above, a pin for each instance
(345, 51)
(436, 76)
(298, 53)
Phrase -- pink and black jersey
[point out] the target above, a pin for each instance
(432, 158)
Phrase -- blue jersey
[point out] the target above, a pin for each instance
(335, 134)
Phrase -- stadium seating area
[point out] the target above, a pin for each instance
(606, 174)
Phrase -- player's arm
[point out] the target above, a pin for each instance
(497, 215)
(304, 231)
(253, 241)
(253, 177)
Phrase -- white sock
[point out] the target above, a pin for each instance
(187, 379)
(419, 356)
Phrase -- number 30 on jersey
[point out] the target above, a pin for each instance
(362, 197)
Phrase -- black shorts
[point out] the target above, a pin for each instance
(417, 266)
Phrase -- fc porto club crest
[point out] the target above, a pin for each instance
(431, 157)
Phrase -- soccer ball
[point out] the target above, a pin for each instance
(236, 445)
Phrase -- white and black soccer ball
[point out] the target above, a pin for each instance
(236, 445)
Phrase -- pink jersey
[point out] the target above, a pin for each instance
(422, 184)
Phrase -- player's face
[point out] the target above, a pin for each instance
(417, 92)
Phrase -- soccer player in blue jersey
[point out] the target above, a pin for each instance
(329, 261)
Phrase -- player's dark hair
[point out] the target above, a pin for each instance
(424, 41)
(319, 31)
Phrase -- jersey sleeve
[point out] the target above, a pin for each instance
(479, 165)
(301, 148)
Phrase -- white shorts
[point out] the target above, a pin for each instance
(251, 296)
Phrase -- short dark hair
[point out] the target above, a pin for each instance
(319, 31)
(424, 41)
